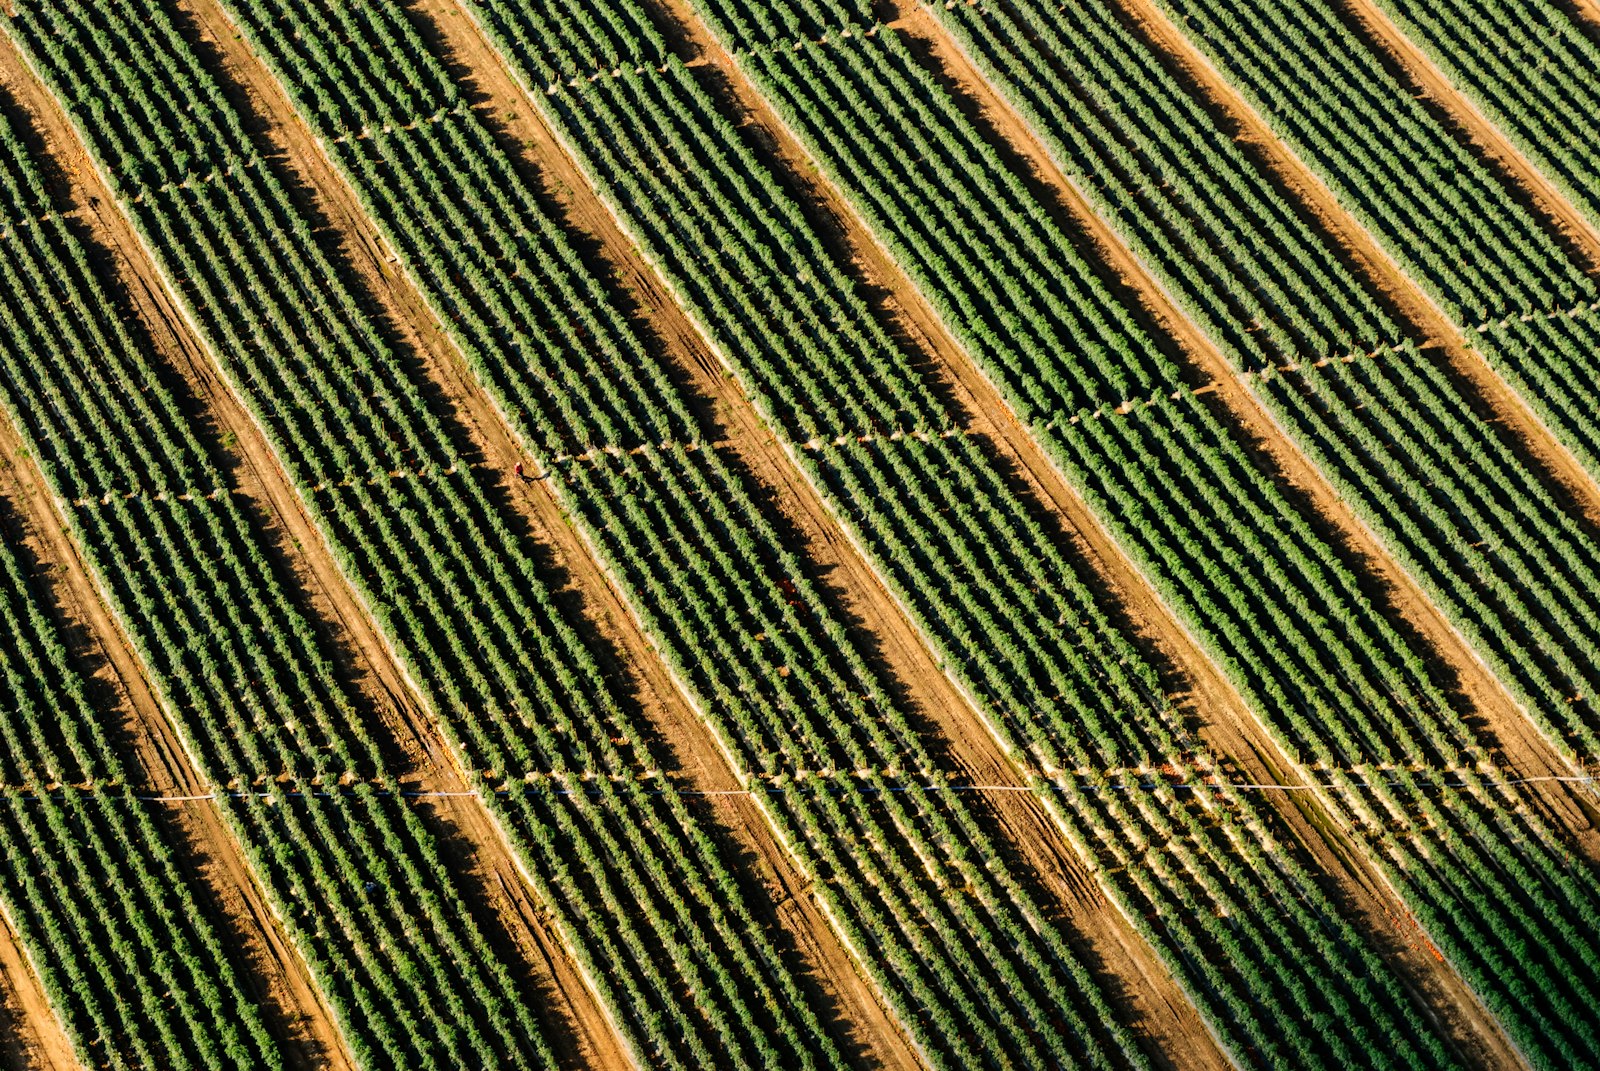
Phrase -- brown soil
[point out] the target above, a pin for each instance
(479, 856)
(1158, 1008)
(1228, 727)
(1554, 463)
(411, 741)
(1590, 10)
(204, 846)
(1382, 30)
(1510, 732)
(1574, 484)
(251, 930)
(160, 754)
(693, 750)
(30, 1037)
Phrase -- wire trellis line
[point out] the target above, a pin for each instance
(1045, 785)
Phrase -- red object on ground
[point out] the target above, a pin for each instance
(519, 470)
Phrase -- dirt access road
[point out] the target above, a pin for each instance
(1580, 236)
(1589, 11)
(30, 1037)
(691, 752)
(406, 735)
(408, 739)
(224, 886)
(1573, 486)
(205, 846)
(1512, 735)
(1039, 851)
(1569, 481)
(1229, 727)
(1399, 49)
(1508, 730)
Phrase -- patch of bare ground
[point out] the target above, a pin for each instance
(485, 870)
(1224, 721)
(1587, 13)
(1519, 749)
(1572, 485)
(691, 752)
(410, 741)
(1159, 1010)
(203, 845)
(31, 1039)
(1510, 733)
(1401, 51)
(250, 930)
(1040, 854)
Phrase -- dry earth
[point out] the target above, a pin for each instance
(1382, 31)
(692, 753)
(225, 887)
(1159, 1009)
(1228, 726)
(30, 1037)
(1519, 747)
(408, 738)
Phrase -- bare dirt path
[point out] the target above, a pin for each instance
(1519, 748)
(204, 846)
(161, 754)
(250, 465)
(250, 927)
(1522, 749)
(693, 753)
(485, 866)
(409, 739)
(1159, 1008)
(31, 1039)
(1571, 482)
(1587, 11)
(1400, 49)
(1227, 725)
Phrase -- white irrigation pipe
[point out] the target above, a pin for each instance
(867, 790)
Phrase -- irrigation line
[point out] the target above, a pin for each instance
(776, 790)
